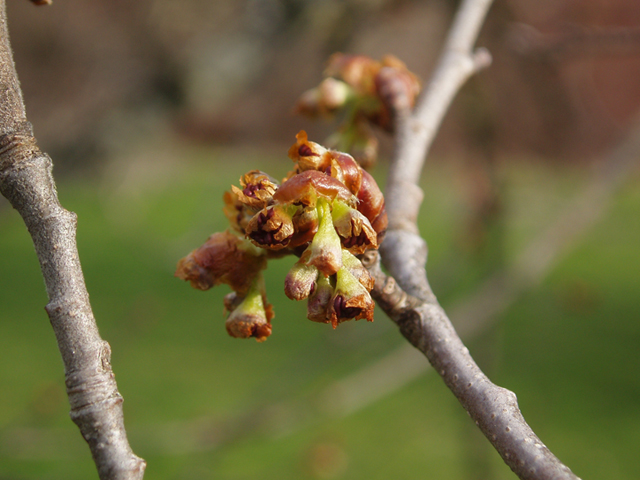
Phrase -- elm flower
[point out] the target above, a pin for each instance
(325, 99)
(305, 226)
(301, 279)
(364, 92)
(345, 169)
(250, 317)
(272, 227)
(371, 204)
(325, 251)
(305, 188)
(353, 228)
(238, 213)
(350, 300)
(257, 189)
(318, 303)
(307, 155)
(223, 258)
(355, 267)
(326, 211)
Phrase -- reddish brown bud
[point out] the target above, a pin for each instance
(354, 229)
(308, 155)
(249, 318)
(371, 204)
(257, 189)
(305, 188)
(223, 258)
(350, 300)
(347, 170)
(271, 228)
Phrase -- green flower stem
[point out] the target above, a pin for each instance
(325, 248)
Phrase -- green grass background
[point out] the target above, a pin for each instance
(199, 404)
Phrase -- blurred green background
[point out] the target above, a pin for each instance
(145, 142)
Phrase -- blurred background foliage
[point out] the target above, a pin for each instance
(151, 109)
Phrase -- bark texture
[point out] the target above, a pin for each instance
(26, 181)
(410, 302)
(494, 409)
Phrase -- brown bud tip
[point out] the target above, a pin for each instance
(257, 189)
(346, 169)
(247, 327)
(304, 188)
(223, 258)
(271, 228)
(371, 203)
(308, 155)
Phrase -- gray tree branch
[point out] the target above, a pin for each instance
(404, 252)
(494, 409)
(410, 302)
(27, 182)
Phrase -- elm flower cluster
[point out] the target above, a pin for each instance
(326, 211)
(365, 93)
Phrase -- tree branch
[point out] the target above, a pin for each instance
(410, 303)
(494, 409)
(26, 181)
(415, 133)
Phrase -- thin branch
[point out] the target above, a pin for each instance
(26, 181)
(494, 409)
(415, 309)
(404, 252)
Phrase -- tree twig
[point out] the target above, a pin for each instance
(415, 133)
(27, 182)
(410, 303)
(494, 409)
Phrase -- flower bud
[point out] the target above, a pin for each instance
(357, 269)
(257, 189)
(301, 280)
(272, 227)
(350, 300)
(323, 100)
(249, 318)
(318, 303)
(325, 251)
(354, 229)
(347, 170)
(308, 155)
(223, 258)
(307, 187)
(358, 71)
(371, 204)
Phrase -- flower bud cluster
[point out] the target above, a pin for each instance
(326, 211)
(366, 93)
